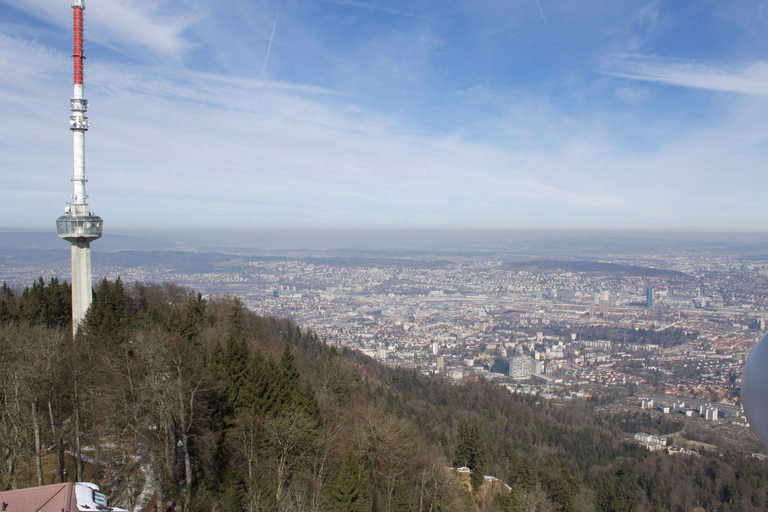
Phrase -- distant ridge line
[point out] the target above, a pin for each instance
(595, 266)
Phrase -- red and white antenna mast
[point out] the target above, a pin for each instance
(78, 123)
(78, 225)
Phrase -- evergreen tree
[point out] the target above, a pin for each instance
(233, 367)
(8, 304)
(562, 493)
(305, 400)
(402, 501)
(48, 304)
(260, 495)
(606, 500)
(233, 498)
(298, 395)
(237, 319)
(263, 385)
(278, 393)
(192, 317)
(107, 317)
(525, 474)
(5, 312)
(626, 487)
(349, 493)
(291, 375)
(656, 493)
(471, 452)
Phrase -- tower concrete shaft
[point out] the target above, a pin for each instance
(78, 225)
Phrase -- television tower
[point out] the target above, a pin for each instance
(78, 225)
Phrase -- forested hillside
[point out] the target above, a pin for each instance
(173, 401)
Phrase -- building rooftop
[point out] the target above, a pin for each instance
(66, 497)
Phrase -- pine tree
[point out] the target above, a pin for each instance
(47, 304)
(108, 314)
(349, 493)
(291, 375)
(60, 303)
(8, 304)
(280, 394)
(298, 396)
(260, 494)
(606, 500)
(233, 368)
(471, 452)
(233, 498)
(402, 500)
(237, 319)
(34, 302)
(525, 473)
(261, 384)
(191, 317)
(305, 400)
(562, 493)
(5, 312)
(263, 390)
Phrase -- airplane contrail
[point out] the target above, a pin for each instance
(542, 13)
(269, 47)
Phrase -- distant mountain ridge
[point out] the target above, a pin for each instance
(417, 244)
(594, 266)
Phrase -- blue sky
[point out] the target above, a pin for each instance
(591, 114)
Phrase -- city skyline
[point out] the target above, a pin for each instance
(351, 114)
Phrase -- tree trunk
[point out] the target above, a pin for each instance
(12, 473)
(281, 474)
(78, 458)
(186, 423)
(38, 455)
(158, 486)
(17, 437)
(318, 480)
(59, 458)
(187, 471)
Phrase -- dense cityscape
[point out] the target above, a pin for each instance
(678, 329)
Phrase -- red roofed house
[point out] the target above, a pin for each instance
(68, 497)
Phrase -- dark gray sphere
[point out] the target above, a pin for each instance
(754, 389)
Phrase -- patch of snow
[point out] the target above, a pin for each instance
(89, 497)
(149, 486)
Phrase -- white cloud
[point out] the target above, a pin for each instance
(26, 65)
(753, 79)
(368, 5)
(183, 145)
(199, 148)
(172, 146)
(138, 24)
(124, 26)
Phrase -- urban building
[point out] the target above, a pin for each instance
(521, 367)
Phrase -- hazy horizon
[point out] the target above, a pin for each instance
(564, 242)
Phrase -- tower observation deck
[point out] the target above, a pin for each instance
(79, 226)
